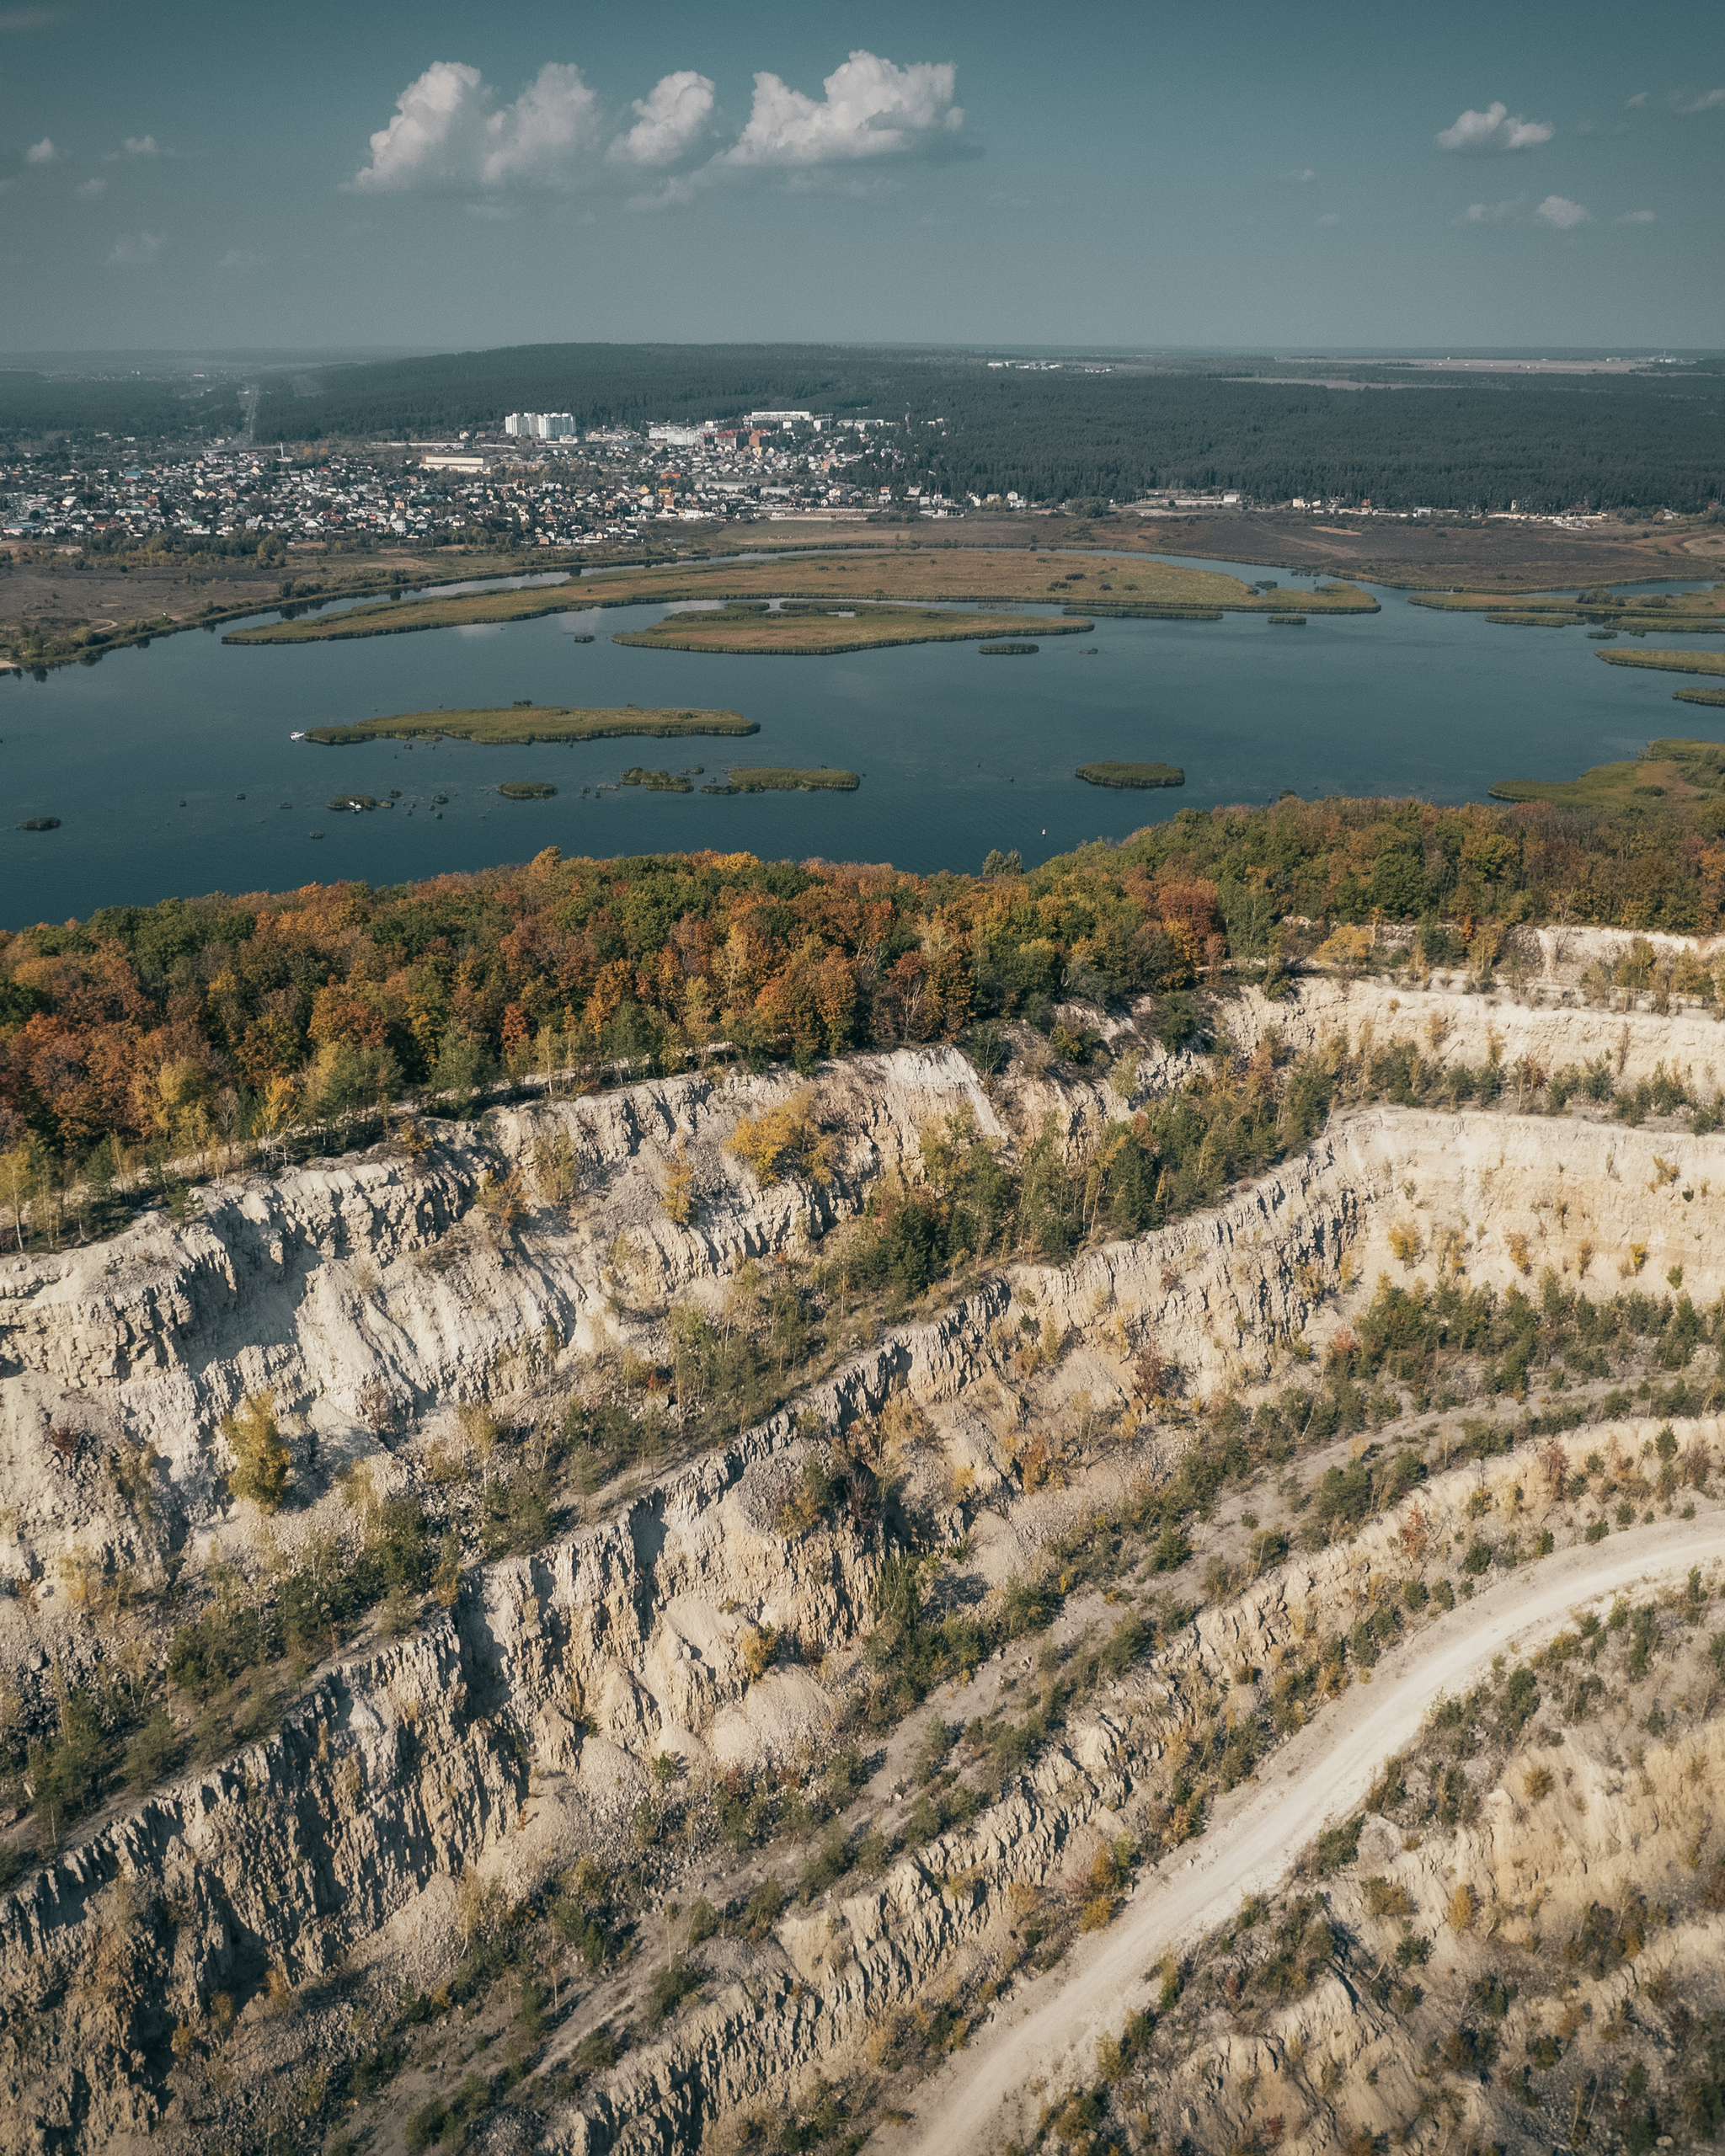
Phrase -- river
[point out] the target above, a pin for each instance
(172, 770)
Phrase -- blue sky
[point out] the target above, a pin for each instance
(1245, 175)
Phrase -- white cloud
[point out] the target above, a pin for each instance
(92, 189)
(532, 142)
(448, 131)
(1708, 101)
(137, 146)
(1639, 101)
(1491, 213)
(137, 250)
(871, 109)
(1330, 217)
(1493, 132)
(425, 140)
(1301, 175)
(237, 259)
(40, 153)
(1635, 217)
(1561, 214)
(669, 120)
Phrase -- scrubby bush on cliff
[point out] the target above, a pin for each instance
(263, 1467)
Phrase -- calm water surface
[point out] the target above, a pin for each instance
(145, 756)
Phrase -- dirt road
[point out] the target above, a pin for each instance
(981, 2100)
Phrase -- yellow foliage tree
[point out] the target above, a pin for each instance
(674, 1194)
(783, 1141)
(263, 1467)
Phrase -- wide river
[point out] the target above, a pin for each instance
(172, 770)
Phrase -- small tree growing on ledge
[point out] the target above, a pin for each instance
(262, 1468)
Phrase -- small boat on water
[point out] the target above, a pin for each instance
(295, 737)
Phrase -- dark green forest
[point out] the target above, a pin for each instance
(1457, 445)
(151, 408)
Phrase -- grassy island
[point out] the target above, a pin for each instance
(982, 576)
(1666, 773)
(525, 789)
(519, 724)
(1698, 696)
(805, 630)
(1145, 589)
(1132, 775)
(1688, 613)
(1668, 662)
(769, 778)
(658, 782)
(1007, 650)
(398, 617)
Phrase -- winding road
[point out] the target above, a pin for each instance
(981, 2099)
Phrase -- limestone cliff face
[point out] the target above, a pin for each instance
(1603, 1204)
(514, 1733)
(544, 1691)
(380, 1271)
(1449, 1028)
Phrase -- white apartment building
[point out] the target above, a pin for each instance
(541, 426)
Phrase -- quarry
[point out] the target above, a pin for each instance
(608, 1660)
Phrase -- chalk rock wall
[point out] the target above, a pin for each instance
(382, 1271)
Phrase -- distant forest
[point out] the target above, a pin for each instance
(1646, 441)
(1070, 435)
(149, 408)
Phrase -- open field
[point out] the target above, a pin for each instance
(981, 577)
(1668, 662)
(1441, 553)
(56, 608)
(1668, 770)
(1416, 556)
(1131, 774)
(535, 722)
(810, 630)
